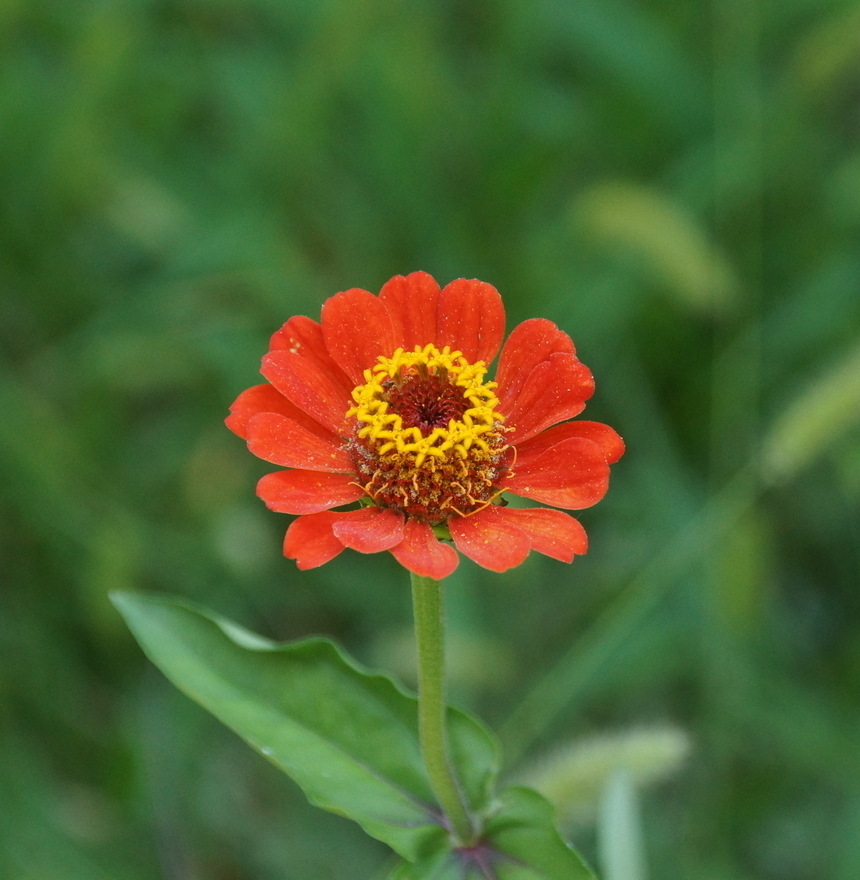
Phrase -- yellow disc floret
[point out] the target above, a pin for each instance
(428, 438)
(418, 431)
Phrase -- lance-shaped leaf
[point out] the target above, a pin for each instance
(520, 842)
(349, 738)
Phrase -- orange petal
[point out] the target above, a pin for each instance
(551, 532)
(265, 398)
(423, 553)
(310, 541)
(572, 474)
(607, 439)
(529, 345)
(412, 302)
(282, 441)
(555, 390)
(309, 387)
(490, 539)
(304, 336)
(357, 329)
(307, 491)
(471, 319)
(370, 530)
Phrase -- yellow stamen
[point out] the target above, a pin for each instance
(385, 430)
(450, 456)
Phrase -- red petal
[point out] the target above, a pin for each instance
(412, 302)
(423, 553)
(282, 441)
(307, 491)
(611, 444)
(529, 344)
(309, 387)
(370, 530)
(554, 391)
(304, 336)
(309, 540)
(471, 319)
(572, 474)
(265, 398)
(551, 532)
(357, 329)
(300, 335)
(490, 539)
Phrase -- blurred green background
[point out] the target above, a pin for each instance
(676, 184)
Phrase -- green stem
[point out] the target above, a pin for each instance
(432, 729)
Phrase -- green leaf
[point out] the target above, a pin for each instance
(523, 831)
(520, 842)
(349, 738)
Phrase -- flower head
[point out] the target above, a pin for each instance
(395, 439)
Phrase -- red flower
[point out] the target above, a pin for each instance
(384, 404)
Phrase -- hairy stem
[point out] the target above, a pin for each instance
(432, 730)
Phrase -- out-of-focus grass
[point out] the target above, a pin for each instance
(677, 185)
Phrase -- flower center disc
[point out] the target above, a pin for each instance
(427, 438)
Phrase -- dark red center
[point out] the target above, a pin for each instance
(425, 402)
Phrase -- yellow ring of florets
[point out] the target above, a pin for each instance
(385, 429)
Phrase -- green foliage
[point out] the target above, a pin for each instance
(520, 843)
(350, 740)
(675, 184)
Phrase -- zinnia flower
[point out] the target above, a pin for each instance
(395, 439)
